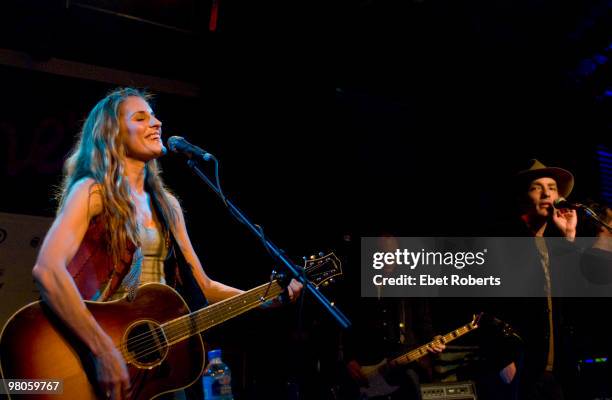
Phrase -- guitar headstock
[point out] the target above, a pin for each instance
(322, 269)
(476, 320)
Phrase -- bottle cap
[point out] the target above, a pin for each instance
(216, 353)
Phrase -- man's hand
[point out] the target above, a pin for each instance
(354, 371)
(438, 346)
(566, 220)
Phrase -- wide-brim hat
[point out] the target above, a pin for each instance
(564, 178)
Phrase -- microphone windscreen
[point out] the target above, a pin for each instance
(173, 142)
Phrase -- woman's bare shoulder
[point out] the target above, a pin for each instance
(88, 192)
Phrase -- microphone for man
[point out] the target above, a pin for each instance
(177, 144)
(561, 202)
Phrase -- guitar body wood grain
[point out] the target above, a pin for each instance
(35, 344)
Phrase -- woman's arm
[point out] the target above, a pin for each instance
(213, 290)
(60, 292)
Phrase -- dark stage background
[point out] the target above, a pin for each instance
(332, 121)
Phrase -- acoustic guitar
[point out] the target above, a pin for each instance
(156, 333)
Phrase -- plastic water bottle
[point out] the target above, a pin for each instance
(217, 378)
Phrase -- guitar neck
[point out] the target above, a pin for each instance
(198, 321)
(422, 351)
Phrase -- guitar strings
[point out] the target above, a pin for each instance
(253, 291)
(185, 318)
(444, 339)
(147, 349)
(149, 345)
(419, 351)
(182, 327)
(212, 310)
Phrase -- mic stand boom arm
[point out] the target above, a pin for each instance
(273, 250)
(594, 217)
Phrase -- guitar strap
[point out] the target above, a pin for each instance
(177, 271)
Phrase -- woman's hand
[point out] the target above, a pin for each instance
(294, 289)
(112, 374)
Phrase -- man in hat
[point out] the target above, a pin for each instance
(539, 320)
(544, 185)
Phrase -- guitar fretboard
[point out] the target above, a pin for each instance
(205, 318)
(422, 351)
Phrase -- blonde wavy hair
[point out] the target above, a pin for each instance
(99, 154)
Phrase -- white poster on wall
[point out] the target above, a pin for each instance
(20, 239)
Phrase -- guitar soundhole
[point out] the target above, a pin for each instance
(146, 344)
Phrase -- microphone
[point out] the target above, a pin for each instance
(562, 203)
(177, 144)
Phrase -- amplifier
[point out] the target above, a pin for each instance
(449, 390)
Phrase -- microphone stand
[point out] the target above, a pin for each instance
(272, 249)
(594, 216)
